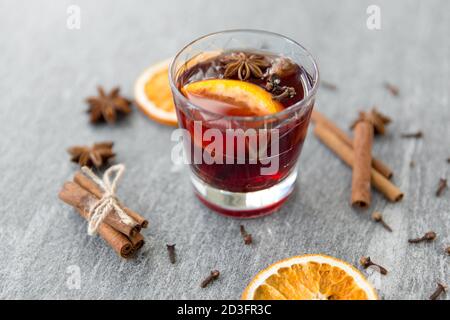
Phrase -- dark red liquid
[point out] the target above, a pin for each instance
(292, 128)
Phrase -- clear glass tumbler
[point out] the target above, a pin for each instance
(258, 180)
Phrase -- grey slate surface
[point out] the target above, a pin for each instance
(46, 70)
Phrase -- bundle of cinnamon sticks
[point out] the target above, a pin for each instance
(125, 238)
(368, 171)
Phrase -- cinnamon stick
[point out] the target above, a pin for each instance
(74, 195)
(377, 164)
(93, 188)
(362, 150)
(345, 152)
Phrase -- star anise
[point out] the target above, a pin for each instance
(244, 65)
(378, 120)
(105, 107)
(96, 155)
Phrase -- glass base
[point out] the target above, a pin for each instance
(245, 204)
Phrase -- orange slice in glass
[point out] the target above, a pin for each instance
(153, 95)
(231, 97)
(310, 277)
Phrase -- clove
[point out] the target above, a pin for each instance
(246, 236)
(440, 289)
(429, 236)
(441, 187)
(377, 217)
(171, 251)
(366, 262)
(273, 84)
(328, 85)
(212, 276)
(415, 135)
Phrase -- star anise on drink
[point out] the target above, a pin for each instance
(244, 65)
(106, 107)
(96, 155)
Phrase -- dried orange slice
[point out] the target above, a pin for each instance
(152, 89)
(232, 97)
(153, 95)
(310, 277)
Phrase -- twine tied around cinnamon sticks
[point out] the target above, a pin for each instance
(344, 146)
(108, 201)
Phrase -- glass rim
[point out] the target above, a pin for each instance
(296, 106)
